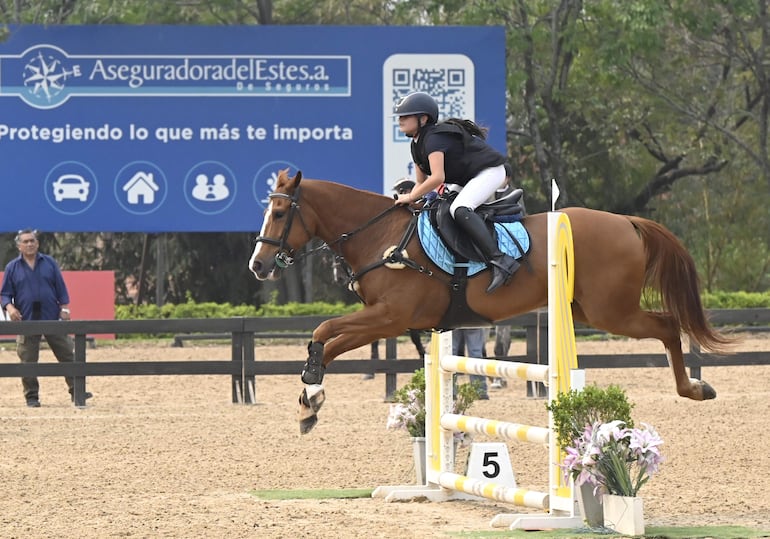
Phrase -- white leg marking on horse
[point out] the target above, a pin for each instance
(312, 390)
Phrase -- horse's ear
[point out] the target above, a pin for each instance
(297, 178)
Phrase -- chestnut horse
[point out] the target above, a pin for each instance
(616, 257)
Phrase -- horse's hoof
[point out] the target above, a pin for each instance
(708, 391)
(310, 401)
(307, 424)
(312, 397)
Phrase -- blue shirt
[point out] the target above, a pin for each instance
(24, 286)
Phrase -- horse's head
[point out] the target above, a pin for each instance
(283, 229)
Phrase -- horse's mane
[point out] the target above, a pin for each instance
(331, 186)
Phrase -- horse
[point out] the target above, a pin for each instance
(616, 259)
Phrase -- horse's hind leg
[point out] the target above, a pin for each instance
(685, 386)
(644, 325)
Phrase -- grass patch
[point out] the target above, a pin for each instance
(652, 532)
(319, 494)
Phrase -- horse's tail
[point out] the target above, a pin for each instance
(671, 271)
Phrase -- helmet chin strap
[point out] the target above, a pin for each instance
(421, 126)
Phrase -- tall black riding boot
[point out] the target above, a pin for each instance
(503, 266)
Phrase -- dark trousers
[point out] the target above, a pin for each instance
(502, 340)
(28, 350)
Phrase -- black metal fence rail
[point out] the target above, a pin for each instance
(243, 366)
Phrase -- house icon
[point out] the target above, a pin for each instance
(141, 188)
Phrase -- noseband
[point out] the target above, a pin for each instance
(285, 255)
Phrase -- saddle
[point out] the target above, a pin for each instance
(452, 251)
(506, 209)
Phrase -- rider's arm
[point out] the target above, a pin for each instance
(419, 175)
(426, 184)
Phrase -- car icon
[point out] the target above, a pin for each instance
(70, 186)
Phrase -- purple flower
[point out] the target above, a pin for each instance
(614, 459)
(611, 431)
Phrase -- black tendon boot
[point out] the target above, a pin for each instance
(503, 266)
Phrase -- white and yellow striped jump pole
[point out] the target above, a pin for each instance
(559, 502)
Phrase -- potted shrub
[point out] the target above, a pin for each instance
(408, 413)
(572, 413)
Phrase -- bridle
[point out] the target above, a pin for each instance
(285, 256)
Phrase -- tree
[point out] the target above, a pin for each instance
(621, 101)
(652, 107)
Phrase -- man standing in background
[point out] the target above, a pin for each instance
(33, 289)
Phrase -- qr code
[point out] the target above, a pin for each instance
(448, 86)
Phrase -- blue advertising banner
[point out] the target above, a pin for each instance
(183, 129)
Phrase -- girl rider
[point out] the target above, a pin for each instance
(460, 157)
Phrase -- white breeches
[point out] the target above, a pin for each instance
(479, 189)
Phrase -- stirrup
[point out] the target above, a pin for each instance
(501, 275)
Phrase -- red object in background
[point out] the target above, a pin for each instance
(92, 296)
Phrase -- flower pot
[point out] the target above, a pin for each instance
(418, 450)
(624, 514)
(590, 505)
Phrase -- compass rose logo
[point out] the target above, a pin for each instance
(45, 74)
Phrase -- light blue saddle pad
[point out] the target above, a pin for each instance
(438, 252)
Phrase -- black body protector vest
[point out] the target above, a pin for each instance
(464, 160)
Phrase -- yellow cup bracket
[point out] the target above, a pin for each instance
(394, 265)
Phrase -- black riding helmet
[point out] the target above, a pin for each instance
(418, 103)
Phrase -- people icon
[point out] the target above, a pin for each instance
(210, 192)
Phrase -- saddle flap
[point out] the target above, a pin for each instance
(453, 237)
(506, 209)
(513, 239)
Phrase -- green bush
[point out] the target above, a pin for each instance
(316, 308)
(573, 410)
(736, 300)
(191, 309)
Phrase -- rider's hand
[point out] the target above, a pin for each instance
(405, 198)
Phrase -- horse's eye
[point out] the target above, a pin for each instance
(279, 214)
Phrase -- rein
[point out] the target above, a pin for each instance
(285, 256)
(395, 256)
(347, 235)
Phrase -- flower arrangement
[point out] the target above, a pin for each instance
(408, 410)
(614, 458)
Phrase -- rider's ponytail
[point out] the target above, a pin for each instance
(469, 126)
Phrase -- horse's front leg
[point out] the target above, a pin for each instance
(359, 328)
(313, 396)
